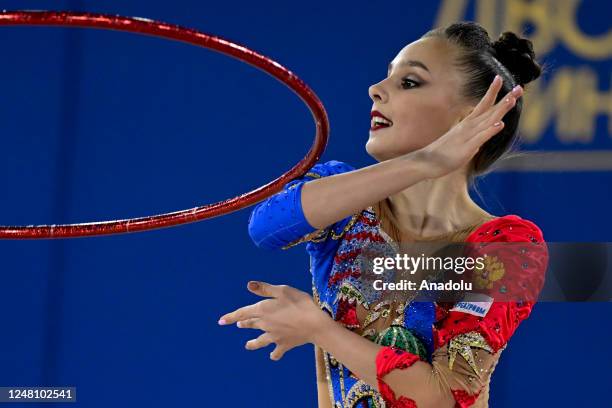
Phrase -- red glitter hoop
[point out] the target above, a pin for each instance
(190, 36)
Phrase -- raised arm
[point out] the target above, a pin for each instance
(309, 208)
(306, 213)
(328, 200)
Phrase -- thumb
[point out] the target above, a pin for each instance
(263, 289)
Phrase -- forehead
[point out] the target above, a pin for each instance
(435, 53)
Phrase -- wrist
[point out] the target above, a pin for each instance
(418, 164)
(323, 326)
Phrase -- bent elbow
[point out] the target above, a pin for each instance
(258, 232)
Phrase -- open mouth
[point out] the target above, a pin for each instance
(378, 123)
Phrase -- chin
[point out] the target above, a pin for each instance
(378, 154)
(372, 149)
(381, 153)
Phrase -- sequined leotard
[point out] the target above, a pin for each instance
(463, 346)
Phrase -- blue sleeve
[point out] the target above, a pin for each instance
(279, 222)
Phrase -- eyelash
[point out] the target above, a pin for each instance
(404, 80)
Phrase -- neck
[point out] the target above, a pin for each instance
(436, 206)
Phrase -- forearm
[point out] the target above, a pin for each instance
(358, 354)
(330, 199)
(354, 351)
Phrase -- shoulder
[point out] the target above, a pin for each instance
(507, 228)
(515, 259)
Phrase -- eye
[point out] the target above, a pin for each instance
(409, 83)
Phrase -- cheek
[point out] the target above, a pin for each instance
(426, 120)
(418, 128)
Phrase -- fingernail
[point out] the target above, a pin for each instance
(238, 324)
(222, 321)
(497, 124)
(497, 78)
(516, 89)
(254, 285)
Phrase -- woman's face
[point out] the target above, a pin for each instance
(420, 96)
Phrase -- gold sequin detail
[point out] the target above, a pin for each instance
(330, 387)
(347, 227)
(315, 236)
(370, 318)
(350, 293)
(463, 344)
(309, 174)
(360, 390)
(322, 234)
(369, 333)
(376, 313)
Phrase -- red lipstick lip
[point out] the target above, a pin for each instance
(377, 113)
(380, 115)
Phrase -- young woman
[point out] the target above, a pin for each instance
(447, 110)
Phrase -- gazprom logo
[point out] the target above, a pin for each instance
(474, 308)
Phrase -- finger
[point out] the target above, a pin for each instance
(489, 98)
(278, 353)
(506, 103)
(497, 113)
(494, 116)
(481, 137)
(262, 341)
(243, 313)
(252, 323)
(266, 289)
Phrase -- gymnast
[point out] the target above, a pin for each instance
(447, 110)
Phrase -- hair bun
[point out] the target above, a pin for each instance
(518, 56)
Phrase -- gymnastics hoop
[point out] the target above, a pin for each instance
(172, 32)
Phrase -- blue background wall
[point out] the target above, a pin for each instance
(105, 125)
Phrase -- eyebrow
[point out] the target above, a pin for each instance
(412, 63)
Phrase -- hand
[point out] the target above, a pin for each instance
(289, 318)
(457, 146)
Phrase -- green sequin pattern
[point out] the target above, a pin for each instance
(400, 337)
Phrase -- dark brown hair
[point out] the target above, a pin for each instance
(480, 59)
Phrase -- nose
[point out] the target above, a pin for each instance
(377, 93)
